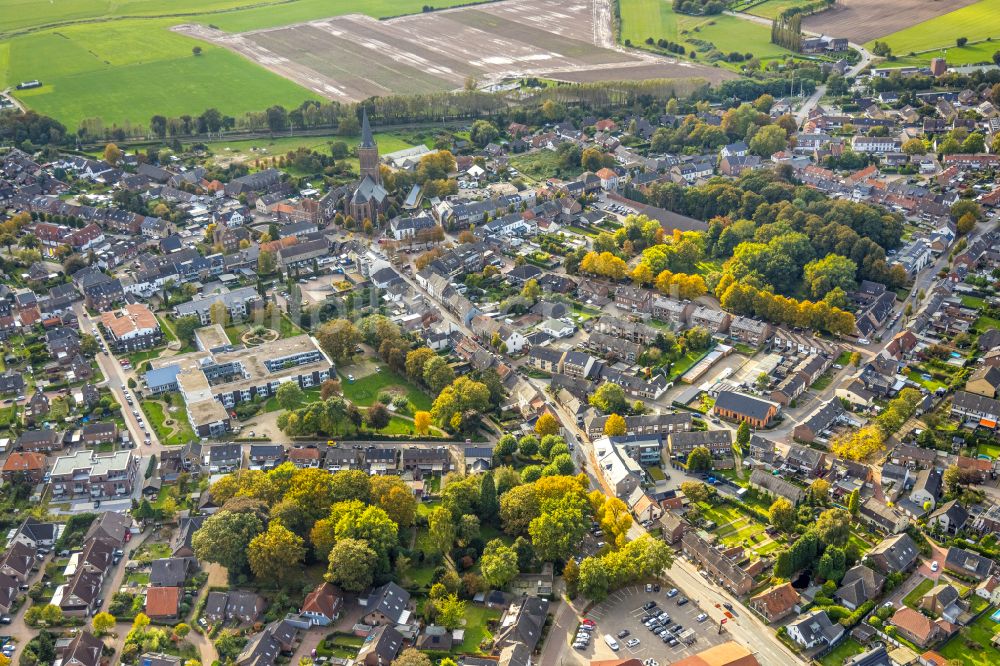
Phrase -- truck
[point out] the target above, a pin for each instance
(612, 643)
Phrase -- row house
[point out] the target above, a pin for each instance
(976, 409)
(718, 442)
(614, 348)
(776, 486)
(750, 332)
(721, 565)
(673, 312)
(637, 332)
(645, 424)
(634, 299)
(716, 321)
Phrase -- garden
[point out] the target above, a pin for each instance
(167, 417)
(973, 646)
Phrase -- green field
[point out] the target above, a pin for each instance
(641, 19)
(105, 60)
(981, 631)
(846, 648)
(175, 434)
(975, 22)
(365, 390)
(772, 8)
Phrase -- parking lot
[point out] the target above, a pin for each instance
(623, 611)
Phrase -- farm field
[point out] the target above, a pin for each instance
(128, 69)
(976, 22)
(862, 21)
(772, 8)
(353, 57)
(641, 19)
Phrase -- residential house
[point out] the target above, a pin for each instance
(927, 488)
(716, 321)
(968, 564)
(894, 554)
(917, 627)
(814, 629)
(644, 424)
(673, 527)
(522, 622)
(263, 649)
(776, 486)
(163, 603)
(322, 606)
(170, 571)
(111, 526)
(423, 460)
(807, 462)
(40, 441)
(949, 518)
(95, 475)
(266, 456)
(84, 649)
(388, 604)
(858, 585)
(237, 606)
(718, 442)
(80, 593)
(984, 381)
(721, 565)
(976, 409)
(750, 332)
(380, 648)
(881, 516)
(25, 465)
(775, 602)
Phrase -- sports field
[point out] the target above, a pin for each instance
(975, 22)
(97, 63)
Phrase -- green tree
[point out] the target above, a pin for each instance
(699, 460)
(833, 527)
(557, 532)
(377, 417)
(498, 564)
(438, 374)
(609, 398)
(289, 395)
(743, 434)
(338, 338)
(225, 537)
(528, 445)
(518, 507)
(768, 140)
(451, 611)
(352, 565)
(489, 505)
(593, 579)
(276, 553)
(441, 528)
(782, 514)
(505, 447)
(415, 362)
(828, 273)
(854, 502)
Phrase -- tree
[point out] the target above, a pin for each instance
(218, 313)
(352, 565)
(593, 579)
(699, 460)
(411, 657)
(696, 491)
(547, 424)
(768, 140)
(422, 422)
(819, 491)
(559, 530)
(833, 527)
(914, 147)
(377, 416)
(498, 563)
(489, 505)
(112, 154)
(438, 374)
(832, 565)
(338, 338)
(830, 272)
(180, 630)
(615, 426)
(528, 446)
(531, 290)
(782, 514)
(451, 611)
(483, 132)
(289, 395)
(966, 223)
(415, 362)
(276, 553)
(225, 537)
(103, 623)
(743, 434)
(505, 447)
(854, 502)
(441, 528)
(609, 398)
(862, 444)
(196, 51)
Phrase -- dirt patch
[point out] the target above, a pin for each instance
(354, 57)
(863, 20)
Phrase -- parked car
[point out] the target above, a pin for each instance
(682, 601)
(672, 593)
(623, 633)
(702, 617)
(632, 642)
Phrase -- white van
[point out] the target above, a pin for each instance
(612, 643)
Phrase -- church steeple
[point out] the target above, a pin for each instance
(368, 151)
(367, 140)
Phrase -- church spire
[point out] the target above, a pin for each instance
(367, 140)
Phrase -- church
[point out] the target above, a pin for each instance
(369, 198)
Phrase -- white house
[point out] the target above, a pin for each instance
(556, 328)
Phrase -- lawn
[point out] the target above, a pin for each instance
(364, 391)
(476, 618)
(846, 648)
(913, 598)
(736, 529)
(991, 450)
(128, 69)
(286, 329)
(929, 384)
(985, 323)
(823, 381)
(973, 302)
(541, 164)
(975, 22)
(176, 434)
(685, 363)
(249, 148)
(980, 632)
(309, 395)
